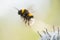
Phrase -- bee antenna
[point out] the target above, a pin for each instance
(16, 8)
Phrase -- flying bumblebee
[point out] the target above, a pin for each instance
(26, 15)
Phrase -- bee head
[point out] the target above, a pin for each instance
(20, 12)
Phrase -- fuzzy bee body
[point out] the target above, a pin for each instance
(26, 15)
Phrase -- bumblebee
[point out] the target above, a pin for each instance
(26, 15)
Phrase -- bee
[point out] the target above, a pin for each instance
(26, 15)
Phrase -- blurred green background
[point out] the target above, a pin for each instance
(12, 26)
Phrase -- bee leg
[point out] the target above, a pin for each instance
(28, 22)
(25, 21)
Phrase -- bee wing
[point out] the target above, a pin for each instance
(31, 8)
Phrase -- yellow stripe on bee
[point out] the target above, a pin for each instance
(29, 14)
(23, 10)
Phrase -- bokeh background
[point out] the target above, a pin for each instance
(12, 27)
